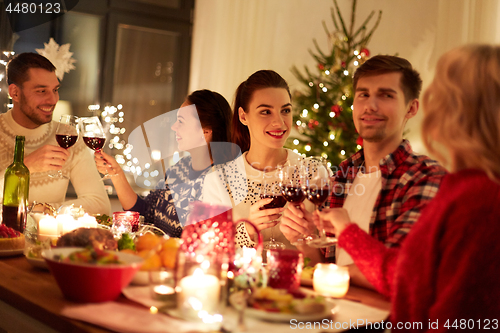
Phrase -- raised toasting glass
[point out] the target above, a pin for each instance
(318, 185)
(66, 137)
(93, 135)
(270, 188)
(292, 181)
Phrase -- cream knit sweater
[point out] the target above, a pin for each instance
(80, 167)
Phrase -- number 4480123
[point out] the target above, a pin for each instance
(485, 324)
(34, 8)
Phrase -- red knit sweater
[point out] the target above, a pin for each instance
(448, 269)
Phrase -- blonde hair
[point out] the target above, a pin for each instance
(462, 108)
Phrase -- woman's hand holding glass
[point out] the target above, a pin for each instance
(332, 220)
(106, 164)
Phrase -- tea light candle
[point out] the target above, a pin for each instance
(161, 283)
(47, 226)
(331, 280)
(87, 221)
(198, 292)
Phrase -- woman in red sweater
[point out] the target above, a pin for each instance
(445, 275)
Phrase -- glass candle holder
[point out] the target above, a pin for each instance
(125, 222)
(284, 268)
(331, 280)
(199, 288)
(162, 285)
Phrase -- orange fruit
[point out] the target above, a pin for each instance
(152, 260)
(171, 243)
(168, 257)
(147, 241)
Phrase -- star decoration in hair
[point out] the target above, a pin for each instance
(59, 56)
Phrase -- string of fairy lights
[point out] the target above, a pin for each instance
(113, 118)
(5, 56)
(306, 121)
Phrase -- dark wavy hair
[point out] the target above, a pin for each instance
(17, 68)
(259, 80)
(214, 113)
(411, 83)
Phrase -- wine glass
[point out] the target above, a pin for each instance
(66, 136)
(270, 188)
(93, 135)
(318, 185)
(293, 180)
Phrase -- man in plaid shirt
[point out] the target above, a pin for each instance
(384, 186)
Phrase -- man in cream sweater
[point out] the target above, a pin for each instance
(33, 87)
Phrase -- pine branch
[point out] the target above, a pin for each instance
(334, 20)
(344, 29)
(315, 42)
(363, 26)
(353, 16)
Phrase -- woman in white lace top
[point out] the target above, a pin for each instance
(262, 121)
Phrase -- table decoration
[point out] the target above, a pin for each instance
(162, 285)
(331, 280)
(284, 267)
(125, 222)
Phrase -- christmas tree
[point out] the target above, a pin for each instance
(323, 109)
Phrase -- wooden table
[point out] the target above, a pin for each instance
(30, 300)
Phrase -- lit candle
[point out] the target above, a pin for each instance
(62, 219)
(163, 290)
(87, 221)
(47, 226)
(161, 283)
(331, 280)
(198, 292)
(67, 223)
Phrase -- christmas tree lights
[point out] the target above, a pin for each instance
(323, 108)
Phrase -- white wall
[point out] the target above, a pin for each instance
(234, 38)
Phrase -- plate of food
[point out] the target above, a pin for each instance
(280, 305)
(10, 253)
(38, 262)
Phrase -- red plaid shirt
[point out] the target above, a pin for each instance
(409, 182)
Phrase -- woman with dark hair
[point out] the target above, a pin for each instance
(261, 124)
(204, 118)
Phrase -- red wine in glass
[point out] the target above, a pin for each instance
(66, 141)
(94, 143)
(294, 194)
(318, 195)
(66, 137)
(278, 201)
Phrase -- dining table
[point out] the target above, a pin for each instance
(31, 301)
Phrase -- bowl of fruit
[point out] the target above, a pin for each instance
(91, 274)
(159, 254)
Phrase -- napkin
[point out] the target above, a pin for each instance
(130, 319)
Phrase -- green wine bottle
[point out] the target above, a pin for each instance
(16, 190)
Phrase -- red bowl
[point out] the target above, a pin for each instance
(91, 282)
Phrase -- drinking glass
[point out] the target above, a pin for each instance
(93, 136)
(270, 188)
(318, 184)
(66, 136)
(292, 181)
